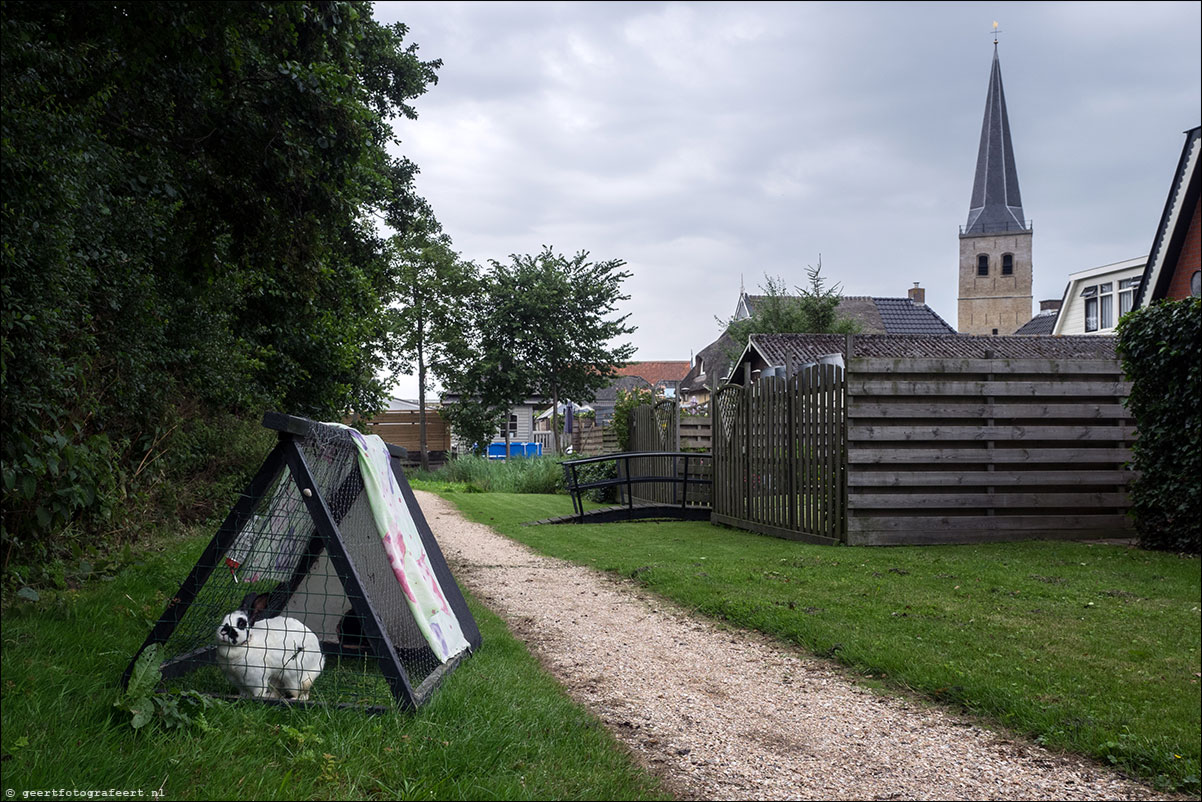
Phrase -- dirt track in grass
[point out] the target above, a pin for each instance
(726, 714)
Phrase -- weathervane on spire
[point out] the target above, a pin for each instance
(995, 32)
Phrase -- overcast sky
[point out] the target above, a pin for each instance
(708, 144)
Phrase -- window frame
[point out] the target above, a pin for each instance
(982, 265)
(1007, 264)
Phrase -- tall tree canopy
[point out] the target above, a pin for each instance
(190, 197)
(546, 327)
(437, 287)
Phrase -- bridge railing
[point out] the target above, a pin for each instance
(684, 469)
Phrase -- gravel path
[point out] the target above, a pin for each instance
(724, 714)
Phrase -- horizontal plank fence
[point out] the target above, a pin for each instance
(695, 433)
(778, 448)
(403, 428)
(953, 450)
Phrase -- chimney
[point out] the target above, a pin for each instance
(1052, 304)
(918, 296)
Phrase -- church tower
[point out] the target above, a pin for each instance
(995, 245)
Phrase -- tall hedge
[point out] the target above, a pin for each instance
(1161, 349)
(191, 192)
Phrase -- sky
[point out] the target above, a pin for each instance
(709, 145)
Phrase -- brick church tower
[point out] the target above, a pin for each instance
(995, 244)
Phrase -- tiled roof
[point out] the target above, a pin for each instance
(781, 349)
(656, 372)
(884, 315)
(903, 316)
(1042, 323)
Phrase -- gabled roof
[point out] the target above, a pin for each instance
(1174, 223)
(711, 365)
(656, 372)
(996, 203)
(883, 315)
(1042, 323)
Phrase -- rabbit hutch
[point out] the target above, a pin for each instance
(324, 585)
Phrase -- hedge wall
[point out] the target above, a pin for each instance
(1161, 349)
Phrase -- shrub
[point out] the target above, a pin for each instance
(1159, 346)
(596, 472)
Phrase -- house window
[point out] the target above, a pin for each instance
(1195, 283)
(1127, 288)
(513, 422)
(1090, 294)
(1099, 306)
(982, 264)
(1007, 264)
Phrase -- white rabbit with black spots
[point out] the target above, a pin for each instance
(268, 658)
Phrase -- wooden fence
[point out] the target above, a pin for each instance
(654, 428)
(924, 451)
(778, 449)
(974, 450)
(403, 428)
(695, 432)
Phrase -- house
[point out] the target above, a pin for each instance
(909, 315)
(1045, 321)
(709, 370)
(664, 378)
(1173, 266)
(713, 365)
(521, 422)
(766, 351)
(1096, 298)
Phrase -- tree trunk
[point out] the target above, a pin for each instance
(555, 420)
(421, 412)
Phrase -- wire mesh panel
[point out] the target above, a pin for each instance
(295, 598)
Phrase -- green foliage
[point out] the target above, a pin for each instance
(814, 310)
(598, 472)
(518, 475)
(145, 706)
(542, 327)
(187, 200)
(1159, 346)
(428, 330)
(624, 407)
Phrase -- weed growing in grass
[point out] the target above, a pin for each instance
(171, 711)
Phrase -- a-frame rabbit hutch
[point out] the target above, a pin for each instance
(303, 532)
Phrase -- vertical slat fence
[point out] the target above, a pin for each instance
(778, 458)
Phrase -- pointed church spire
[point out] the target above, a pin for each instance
(996, 203)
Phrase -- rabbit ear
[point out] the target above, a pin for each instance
(248, 603)
(257, 604)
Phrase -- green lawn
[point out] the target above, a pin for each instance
(500, 727)
(1087, 647)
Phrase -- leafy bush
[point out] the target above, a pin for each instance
(1159, 346)
(596, 472)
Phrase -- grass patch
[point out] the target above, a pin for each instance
(500, 727)
(1084, 647)
(482, 475)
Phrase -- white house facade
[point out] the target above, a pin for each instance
(1096, 298)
